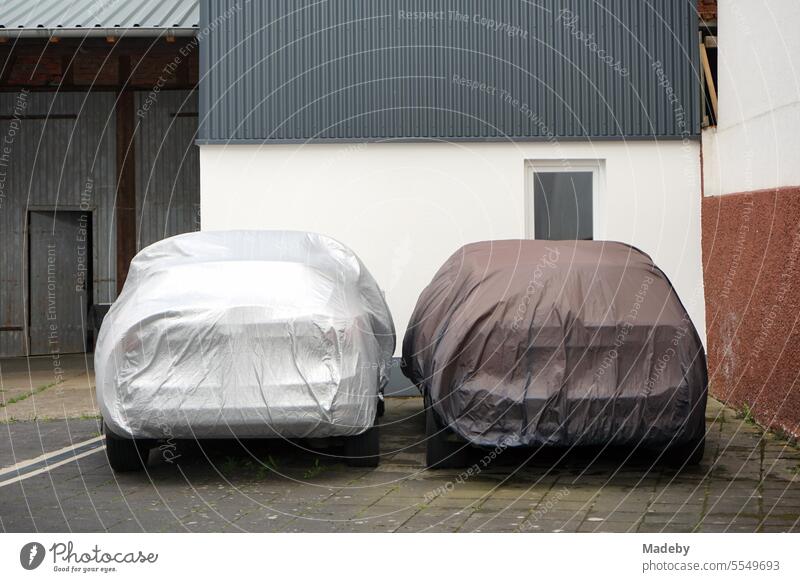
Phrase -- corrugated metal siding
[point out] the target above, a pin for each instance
(354, 70)
(98, 13)
(52, 163)
(167, 167)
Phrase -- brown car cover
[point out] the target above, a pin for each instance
(530, 342)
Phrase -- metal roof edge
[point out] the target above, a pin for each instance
(510, 140)
(95, 32)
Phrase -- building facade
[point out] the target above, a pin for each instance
(98, 117)
(406, 131)
(751, 213)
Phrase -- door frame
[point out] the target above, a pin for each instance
(598, 169)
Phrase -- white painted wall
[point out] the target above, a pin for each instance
(757, 142)
(404, 208)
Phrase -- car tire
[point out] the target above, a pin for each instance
(381, 407)
(124, 454)
(440, 452)
(363, 450)
(689, 454)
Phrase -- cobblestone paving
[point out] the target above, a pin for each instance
(747, 482)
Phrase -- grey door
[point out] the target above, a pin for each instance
(59, 280)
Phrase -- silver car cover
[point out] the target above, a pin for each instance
(245, 334)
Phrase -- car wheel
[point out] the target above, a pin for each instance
(441, 453)
(689, 454)
(363, 450)
(124, 454)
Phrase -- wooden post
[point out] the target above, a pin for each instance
(125, 209)
(712, 90)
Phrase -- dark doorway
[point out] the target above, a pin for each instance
(60, 280)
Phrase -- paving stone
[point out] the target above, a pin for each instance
(748, 481)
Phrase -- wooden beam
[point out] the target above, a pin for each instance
(712, 90)
(125, 208)
(83, 87)
(39, 117)
(144, 44)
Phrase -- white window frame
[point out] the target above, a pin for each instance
(596, 166)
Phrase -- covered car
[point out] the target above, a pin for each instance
(244, 334)
(556, 343)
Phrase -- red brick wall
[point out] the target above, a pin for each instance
(707, 9)
(93, 62)
(751, 256)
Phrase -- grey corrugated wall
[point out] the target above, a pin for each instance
(289, 71)
(167, 167)
(51, 163)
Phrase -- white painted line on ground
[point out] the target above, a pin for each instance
(14, 469)
(47, 468)
(22, 464)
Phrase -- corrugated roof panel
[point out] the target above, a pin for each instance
(71, 14)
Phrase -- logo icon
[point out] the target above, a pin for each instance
(31, 555)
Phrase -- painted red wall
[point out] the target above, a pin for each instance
(751, 257)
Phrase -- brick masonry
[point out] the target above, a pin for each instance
(707, 10)
(751, 257)
(72, 63)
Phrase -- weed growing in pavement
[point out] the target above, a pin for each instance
(261, 469)
(747, 414)
(315, 470)
(27, 395)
